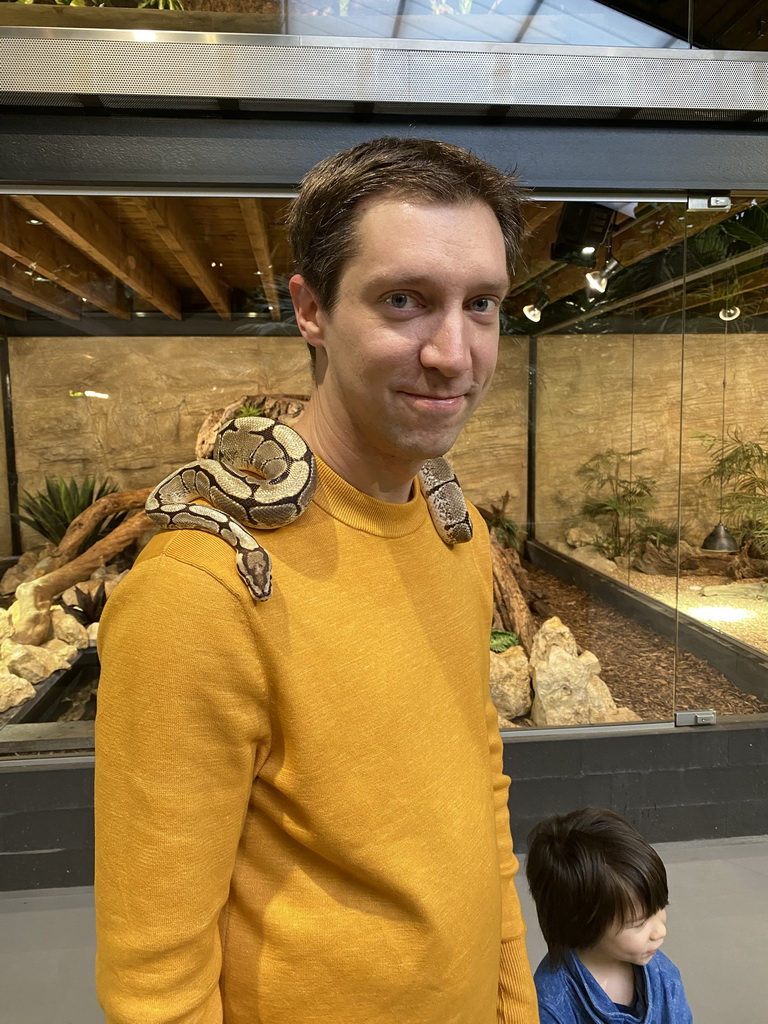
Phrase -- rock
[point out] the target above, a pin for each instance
(511, 683)
(67, 628)
(66, 652)
(602, 706)
(14, 690)
(594, 559)
(86, 587)
(31, 663)
(31, 566)
(505, 723)
(567, 688)
(93, 632)
(6, 624)
(588, 555)
(579, 536)
(110, 585)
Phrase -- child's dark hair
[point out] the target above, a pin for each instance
(588, 870)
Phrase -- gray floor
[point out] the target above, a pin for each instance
(717, 935)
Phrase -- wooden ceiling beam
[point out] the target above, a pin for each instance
(725, 290)
(80, 221)
(256, 229)
(14, 312)
(166, 218)
(632, 244)
(43, 294)
(43, 251)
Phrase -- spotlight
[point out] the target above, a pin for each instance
(597, 280)
(729, 313)
(533, 312)
(581, 230)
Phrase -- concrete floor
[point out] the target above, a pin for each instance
(718, 923)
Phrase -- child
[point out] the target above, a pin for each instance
(600, 891)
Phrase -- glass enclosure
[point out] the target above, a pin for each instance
(621, 458)
(737, 25)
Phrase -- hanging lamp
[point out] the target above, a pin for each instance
(720, 537)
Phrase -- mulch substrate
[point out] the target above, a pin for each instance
(643, 671)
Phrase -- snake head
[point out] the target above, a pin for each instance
(255, 568)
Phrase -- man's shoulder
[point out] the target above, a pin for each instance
(189, 550)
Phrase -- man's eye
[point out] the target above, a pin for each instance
(399, 300)
(484, 305)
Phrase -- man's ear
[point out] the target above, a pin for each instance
(309, 316)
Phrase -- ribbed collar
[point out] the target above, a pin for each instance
(362, 512)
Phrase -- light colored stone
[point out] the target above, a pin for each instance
(93, 632)
(590, 556)
(511, 683)
(67, 628)
(110, 585)
(6, 624)
(579, 536)
(31, 663)
(14, 690)
(31, 566)
(66, 652)
(602, 706)
(505, 723)
(567, 688)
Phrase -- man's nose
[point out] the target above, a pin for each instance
(448, 345)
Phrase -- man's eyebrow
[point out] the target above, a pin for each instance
(396, 280)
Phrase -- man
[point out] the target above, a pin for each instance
(301, 811)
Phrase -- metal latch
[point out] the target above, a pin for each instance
(709, 202)
(696, 717)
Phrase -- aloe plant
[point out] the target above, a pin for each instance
(50, 511)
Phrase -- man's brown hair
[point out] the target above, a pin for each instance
(322, 221)
(587, 871)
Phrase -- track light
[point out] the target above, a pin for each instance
(729, 313)
(597, 280)
(533, 312)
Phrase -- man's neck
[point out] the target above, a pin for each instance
(383, 478)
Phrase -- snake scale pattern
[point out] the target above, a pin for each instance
(262, 475)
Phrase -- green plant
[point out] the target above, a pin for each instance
(505, 530)
(658, 533)
(50, 511)
(740, 470)
(249, 409)
(89, 606)
(502, 640)
(616, 499)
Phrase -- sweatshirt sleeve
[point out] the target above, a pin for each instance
(180, 734)
(517, 1002)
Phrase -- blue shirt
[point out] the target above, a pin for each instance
(570, 995)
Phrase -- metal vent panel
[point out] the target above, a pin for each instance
(290, 68)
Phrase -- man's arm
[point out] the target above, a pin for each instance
(517, 1002)
(180, 733)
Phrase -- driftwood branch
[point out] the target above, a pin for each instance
(80, 527)
(509, 599)
(31, 612)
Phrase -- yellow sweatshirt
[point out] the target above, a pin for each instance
(300, 808)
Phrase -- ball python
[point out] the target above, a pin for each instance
(283, 489)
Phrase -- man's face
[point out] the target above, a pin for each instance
(410, 348)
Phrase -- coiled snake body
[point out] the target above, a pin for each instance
(286, 481)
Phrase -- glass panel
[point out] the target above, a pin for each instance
(627, 376)
(132, 324)
(578, 23)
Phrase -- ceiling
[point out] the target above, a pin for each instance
(142, 265)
